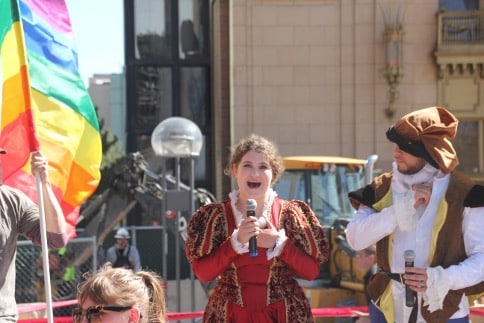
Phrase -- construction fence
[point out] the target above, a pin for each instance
(66, 268)
(86, 254)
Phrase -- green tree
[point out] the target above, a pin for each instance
(112, 151)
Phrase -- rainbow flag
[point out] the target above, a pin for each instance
(45, 105)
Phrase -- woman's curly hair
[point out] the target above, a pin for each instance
(260, 145)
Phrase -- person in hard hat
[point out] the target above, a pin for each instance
(123, 254)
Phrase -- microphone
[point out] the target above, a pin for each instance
(409, 256)
(251, 205)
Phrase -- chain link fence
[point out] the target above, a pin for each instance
(86, 254)
(67, 265)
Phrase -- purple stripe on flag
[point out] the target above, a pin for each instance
(53, 12)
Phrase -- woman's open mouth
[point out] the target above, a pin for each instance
(253, 184)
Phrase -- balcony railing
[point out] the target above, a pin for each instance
(460, 28)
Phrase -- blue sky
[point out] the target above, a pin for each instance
(98, 31)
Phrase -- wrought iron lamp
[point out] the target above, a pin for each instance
(393, 70)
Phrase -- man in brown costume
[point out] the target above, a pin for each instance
(426, 206)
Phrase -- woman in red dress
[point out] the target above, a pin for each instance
(290, 243)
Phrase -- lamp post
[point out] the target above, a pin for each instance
(177, 138)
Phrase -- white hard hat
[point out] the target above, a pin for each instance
(122, 233)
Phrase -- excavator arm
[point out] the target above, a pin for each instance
(133, 183)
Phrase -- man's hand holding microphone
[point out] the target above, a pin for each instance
(416, 278)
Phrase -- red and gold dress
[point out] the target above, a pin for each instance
(256, 289)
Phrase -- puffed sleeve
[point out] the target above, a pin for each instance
(208, 246)
(307, 246)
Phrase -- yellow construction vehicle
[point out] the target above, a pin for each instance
(324, 183)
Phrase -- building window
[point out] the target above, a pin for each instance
(468, 141)
(193, 26)
(458, 5)
(168, 72)
(153, 32)
(153, 86)
(459, 88)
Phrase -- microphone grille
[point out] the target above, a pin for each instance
(251, 204)
(409, 255)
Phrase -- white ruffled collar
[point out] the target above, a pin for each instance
(266, 211)
(402, 182)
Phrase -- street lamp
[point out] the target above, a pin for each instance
(177, 137)
(393, 69)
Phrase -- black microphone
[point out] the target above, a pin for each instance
(409, 256)
(251, 205)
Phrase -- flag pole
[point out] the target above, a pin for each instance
(45, 250)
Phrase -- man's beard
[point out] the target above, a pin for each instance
(412, 169)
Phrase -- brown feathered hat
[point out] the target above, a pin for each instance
(426, 133)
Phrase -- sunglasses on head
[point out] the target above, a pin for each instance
(94, 314)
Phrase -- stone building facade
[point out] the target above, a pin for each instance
(310, 74)
(314, 75)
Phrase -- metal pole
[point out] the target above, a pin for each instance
(192, 210)
(177, 240)
(45, 251)
(164, 231)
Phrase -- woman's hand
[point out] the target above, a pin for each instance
(248, 228)
(268, 236)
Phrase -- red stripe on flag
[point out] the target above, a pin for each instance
(15, 140)
(29, 119)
